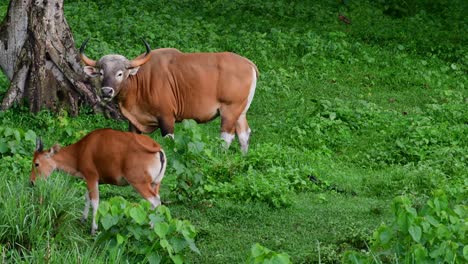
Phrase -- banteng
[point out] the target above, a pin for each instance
(165, 86)
(106, 156)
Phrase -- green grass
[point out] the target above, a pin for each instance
(374, 110)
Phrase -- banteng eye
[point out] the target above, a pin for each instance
(36, 164)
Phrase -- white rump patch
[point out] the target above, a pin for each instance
(157, 170)
(253, 86)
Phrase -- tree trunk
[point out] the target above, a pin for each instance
(38, 55)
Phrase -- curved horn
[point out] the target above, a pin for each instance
(138, 62)
(39, 145)
(85, 59)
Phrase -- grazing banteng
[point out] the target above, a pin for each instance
(165, 86)
(106, 156)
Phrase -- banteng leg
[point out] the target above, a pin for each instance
(243, 133)
(93, 192)
(228, 124)
(166, 124)
(147, 191)
(86, 208)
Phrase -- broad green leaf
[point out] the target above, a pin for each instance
(179, 167)
(30, 136)
(178, 259)
(17, 135)
(420, 253)
(154, 258)
(103, 208)
(161, 229)
(155, 218)
(138, 214)
(192, 246)
(281, 259)
(108, 221)
(258, 250)
(460, 210)
(137, 231)
(178, 244)
(385, 235)
(432, 220)
(165, 211)
(165, 244)
(3, 147)
(465, 252)
(120, 239)
(415, 232)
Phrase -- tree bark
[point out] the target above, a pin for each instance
(38, 55)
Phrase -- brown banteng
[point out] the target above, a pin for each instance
(106, 156)
(165, 86)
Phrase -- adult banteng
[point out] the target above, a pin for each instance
(106, 156)
(164, 86)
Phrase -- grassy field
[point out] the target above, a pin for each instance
(345, 118)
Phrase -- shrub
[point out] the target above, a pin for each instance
(434, 233)
(260, 254)
(16, 141)
(188, 155)
(142, 233)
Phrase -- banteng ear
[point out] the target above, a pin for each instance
(39, 145)
(133, 71)
(91, 71)
(54, 149)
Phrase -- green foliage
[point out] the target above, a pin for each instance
(434, 233)
(16, 141)
(254, 187)
(144, 234)
(262, 255)
(37, 220)
(188, 154)
(203, 171)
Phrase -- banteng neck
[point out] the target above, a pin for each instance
(66, 160)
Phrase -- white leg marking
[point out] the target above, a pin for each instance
(244, 141)
(169, 136)
(95, 205)
(227, 138)
(155, 201)
(253, 85)
(86, 208)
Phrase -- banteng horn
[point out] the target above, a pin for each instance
(138, 62)
(39, 145)
(85, 59)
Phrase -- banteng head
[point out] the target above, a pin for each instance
(112, 69)
(43, 164)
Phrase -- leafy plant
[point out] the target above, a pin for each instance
(434, 233)
(188, 155)
(262, 255)
(144, 234)
(16, 141)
